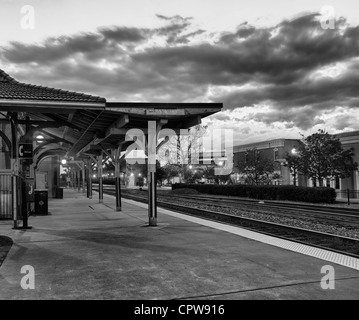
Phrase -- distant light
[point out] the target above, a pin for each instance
(94, 176)
(220, 163)
(40, 139)
(63, 161)
(140, 174)
(294, 151)
(190, 166)
(132, 174)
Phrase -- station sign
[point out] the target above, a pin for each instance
(25, 151)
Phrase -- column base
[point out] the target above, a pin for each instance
(118, 209)
(152, 222)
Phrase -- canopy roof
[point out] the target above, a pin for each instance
(78, 124)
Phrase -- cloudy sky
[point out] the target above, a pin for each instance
(273, 65)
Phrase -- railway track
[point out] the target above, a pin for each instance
(343, 217)
(348, 218)
(336, 243)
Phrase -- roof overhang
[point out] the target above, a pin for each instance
(51, 106)
(126, 115)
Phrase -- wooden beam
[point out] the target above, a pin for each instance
(69, 119)
(65, 122)
(118, 124)
(52, 135)
(191, 122)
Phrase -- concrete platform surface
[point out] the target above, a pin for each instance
(85, 250)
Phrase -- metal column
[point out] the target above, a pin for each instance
(22, 182)
(15, 196)
(83, 178)
(89, 182)
(78, 180)
(15, 167)
(152, 198)
(151, 175)
(100, 183)
(74, 179)
(118, 185)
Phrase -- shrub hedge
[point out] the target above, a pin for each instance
(266, 192)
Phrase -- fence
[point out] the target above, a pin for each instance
(5, 195)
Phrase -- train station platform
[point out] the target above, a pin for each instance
(86, 250)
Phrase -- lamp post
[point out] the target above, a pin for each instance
(294, 165)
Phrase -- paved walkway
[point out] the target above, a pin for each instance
(85, 250)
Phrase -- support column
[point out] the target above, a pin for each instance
(118, 185)
(151, 175)
(15, 168)
(78, 180)
(74, 179)
(152, 198)
(83, 178)
(89, 182)
(100, 184)
(22, 184)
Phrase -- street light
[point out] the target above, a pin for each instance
(294, 165)
(63, 161)
(191, 167)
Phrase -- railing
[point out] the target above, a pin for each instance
(5, 195)
(348, 195)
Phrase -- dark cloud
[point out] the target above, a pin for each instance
(175, 29)
(304, 116)
(221, 117)
(345, 121)
(122, 34)
(277, 62)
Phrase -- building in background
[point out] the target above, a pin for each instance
(277, 149)
(349, 140)
(274, 150)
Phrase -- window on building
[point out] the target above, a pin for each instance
(328, 182)
(337, 183)
(314, 182)
(257, 155)
(276, 154)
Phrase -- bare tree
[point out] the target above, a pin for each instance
(182, 150)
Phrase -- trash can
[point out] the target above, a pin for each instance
(41, 201)
(59, 193)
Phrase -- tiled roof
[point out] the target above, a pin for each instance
(10, 89)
